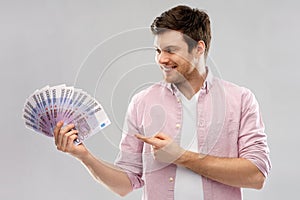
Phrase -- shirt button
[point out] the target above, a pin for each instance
(177, 125)
(171, 179)
(178, 100)
(201, 123)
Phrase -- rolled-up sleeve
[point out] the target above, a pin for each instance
(130, 155)
(252, 137)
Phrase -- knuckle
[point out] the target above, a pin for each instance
(70, 139)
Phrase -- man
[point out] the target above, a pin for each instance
(192, 136)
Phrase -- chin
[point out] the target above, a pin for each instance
(170, 80)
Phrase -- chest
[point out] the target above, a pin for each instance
(216, 119)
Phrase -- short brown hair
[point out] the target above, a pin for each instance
(192, 22)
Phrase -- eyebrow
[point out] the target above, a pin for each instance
(168, 47)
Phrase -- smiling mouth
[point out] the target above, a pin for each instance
(167, 69)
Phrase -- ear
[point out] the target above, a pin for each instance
(200, 48)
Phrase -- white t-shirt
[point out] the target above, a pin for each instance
(188, 185)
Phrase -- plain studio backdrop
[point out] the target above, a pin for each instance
(105, 48)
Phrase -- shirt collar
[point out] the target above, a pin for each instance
(207, 84)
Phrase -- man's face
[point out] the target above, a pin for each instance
(176, 63)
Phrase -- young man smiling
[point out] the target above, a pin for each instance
(191, 136)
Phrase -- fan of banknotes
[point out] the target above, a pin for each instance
(49, 105)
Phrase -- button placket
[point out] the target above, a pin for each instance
(201, 123)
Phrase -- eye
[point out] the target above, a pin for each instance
(158, 51)
(170, 50)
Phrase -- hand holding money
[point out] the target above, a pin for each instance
(64, 140)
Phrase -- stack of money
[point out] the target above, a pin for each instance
(49, 105)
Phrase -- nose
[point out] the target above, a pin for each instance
(162, 58)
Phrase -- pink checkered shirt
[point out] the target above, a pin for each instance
(229, 124)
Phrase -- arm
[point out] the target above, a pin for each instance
(103, 172)
(237, 172)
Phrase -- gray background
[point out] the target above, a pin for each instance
(255, 44)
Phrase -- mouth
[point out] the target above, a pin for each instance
(168, 68)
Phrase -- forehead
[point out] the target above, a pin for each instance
(169, 38)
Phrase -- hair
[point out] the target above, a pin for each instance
(192, 22)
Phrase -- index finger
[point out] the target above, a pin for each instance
(149, 140)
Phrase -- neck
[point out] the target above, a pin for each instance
(191, 85)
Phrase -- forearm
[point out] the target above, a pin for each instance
(237, 172)
(109, 175)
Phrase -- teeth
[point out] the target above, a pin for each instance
(167, 69)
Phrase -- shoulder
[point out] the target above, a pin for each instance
(232, 89)
(236, 95)
(153, 90)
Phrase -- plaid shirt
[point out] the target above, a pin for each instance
(229, 124)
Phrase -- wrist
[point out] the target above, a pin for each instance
(187, 157)
(83, 156)
(182, 158)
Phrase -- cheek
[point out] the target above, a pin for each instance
(185, 67)
(183, 59)
(184, 64)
